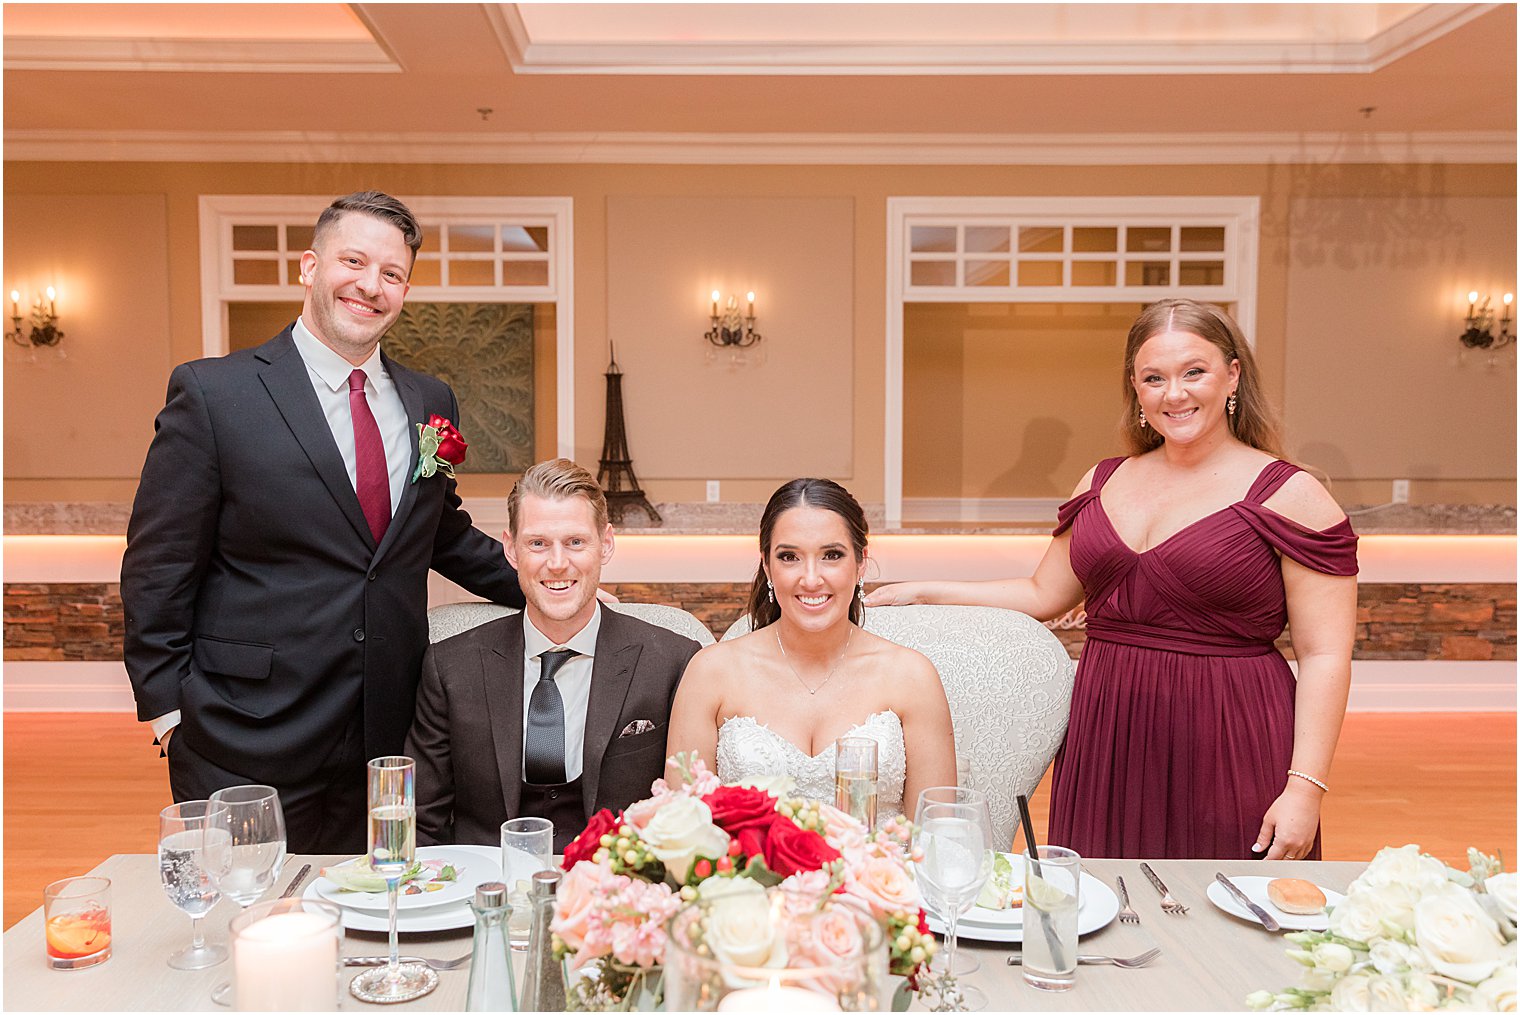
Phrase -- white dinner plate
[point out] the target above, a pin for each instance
(1097, 905)
(472, 870)
(447, 917)
(1255, 887)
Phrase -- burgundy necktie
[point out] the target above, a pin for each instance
(372, 480)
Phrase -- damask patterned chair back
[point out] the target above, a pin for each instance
(1008, 680)
(456, 618)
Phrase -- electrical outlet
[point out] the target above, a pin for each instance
(712, 491)
(1401, 491)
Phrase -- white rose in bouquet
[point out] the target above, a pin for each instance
(738, 926)
(682, 830)
(1332, 956)
(778, 786)
(1360, 917)
(1402, 992)
(1389, 956)
(1457, 936)
(1352, 993)
(1502, 888)
(1403, 866)
(1497, 993)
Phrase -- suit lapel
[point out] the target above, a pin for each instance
(289, 385)
(611, 676)
(411, 400)
(501, 672)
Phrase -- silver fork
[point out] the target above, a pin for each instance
(380, 960)
(1168, 904)
(1133, 962)
(1127, 914)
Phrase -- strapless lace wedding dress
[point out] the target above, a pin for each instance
(748, 748)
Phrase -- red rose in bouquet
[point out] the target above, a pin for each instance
(789, 849)
(585, 845)
(736, 809)
(451, 446)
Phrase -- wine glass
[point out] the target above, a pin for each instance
(392, 851)
(964, 963)
(245, 848)
(181, 866)
(953, 833)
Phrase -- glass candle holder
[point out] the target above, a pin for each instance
(285, 956)
(760, 952)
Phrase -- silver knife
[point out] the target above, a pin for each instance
(295, 882)
(1267, 919)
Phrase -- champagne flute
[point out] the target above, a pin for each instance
(855, 778)
(953, 832)
(245, 848)
(181, 867)
(392, 851)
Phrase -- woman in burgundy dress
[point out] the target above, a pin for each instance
(1189, 735)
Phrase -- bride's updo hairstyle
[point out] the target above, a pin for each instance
(1254, 421)
(817, 493)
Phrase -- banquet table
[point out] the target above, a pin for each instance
(1209, 960)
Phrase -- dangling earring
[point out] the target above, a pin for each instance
(1229, 404)
(861, 588)
(1143, 423)
(770, 590)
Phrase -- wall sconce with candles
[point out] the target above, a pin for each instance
(45, 330)
(1477, 332)
(731, 329)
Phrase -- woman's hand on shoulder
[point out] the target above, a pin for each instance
(1305, 500)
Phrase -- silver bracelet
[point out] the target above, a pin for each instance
(1308, 778)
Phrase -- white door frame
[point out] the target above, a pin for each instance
(1240, 214)
(220, 212)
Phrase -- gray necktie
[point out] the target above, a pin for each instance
(544, 744)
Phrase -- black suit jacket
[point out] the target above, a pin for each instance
(256, 600)
(467, 738)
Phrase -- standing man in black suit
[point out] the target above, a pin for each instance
(275, 577)
(554, 712)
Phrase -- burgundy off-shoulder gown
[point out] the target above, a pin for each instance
(1181, 729)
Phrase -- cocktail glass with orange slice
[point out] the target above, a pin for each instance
(77, 922)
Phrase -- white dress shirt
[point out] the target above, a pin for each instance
(573, 681)
(328, 373)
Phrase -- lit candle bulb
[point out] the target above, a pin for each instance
(52, 295)
(1509, 298)
(715, 302)
(751, 298)
(15, 303)
(1472, 297)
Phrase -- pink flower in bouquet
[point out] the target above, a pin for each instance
(638, 934)
(641, 813)
(578, 893)
(884, 884)
(843, 832)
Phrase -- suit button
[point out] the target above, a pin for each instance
(358, 634)
(554, 794)
(372, 576)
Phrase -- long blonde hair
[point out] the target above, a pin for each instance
(1254, 421)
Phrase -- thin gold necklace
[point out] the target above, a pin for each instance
(832, 669)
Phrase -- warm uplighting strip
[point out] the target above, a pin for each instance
(732, 558)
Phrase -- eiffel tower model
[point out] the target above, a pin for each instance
(616, 474)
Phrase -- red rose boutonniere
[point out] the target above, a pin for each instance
(439, 448)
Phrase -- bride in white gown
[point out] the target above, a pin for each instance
(774, 701)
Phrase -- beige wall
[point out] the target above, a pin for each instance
(38, 194)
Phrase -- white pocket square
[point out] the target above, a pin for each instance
(636, 727)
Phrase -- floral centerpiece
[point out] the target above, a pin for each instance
(628, 874)
(1411, 935)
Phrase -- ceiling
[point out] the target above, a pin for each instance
(731, 83)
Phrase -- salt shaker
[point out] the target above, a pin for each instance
(544, 981)
(492, 985)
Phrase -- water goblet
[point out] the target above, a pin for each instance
(244, 850)
(953, 834)
(181, 867)
(392, 851)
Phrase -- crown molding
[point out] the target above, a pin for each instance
(283, 56)
(758, 149)
(1045, 57)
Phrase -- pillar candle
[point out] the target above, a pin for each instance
(286, 962)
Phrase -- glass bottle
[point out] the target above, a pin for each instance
(544, 980)
(492, 985)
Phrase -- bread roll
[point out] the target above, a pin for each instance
(1296, 896)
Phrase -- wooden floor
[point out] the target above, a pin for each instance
(80, 787)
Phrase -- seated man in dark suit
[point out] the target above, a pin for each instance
(555, 712)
